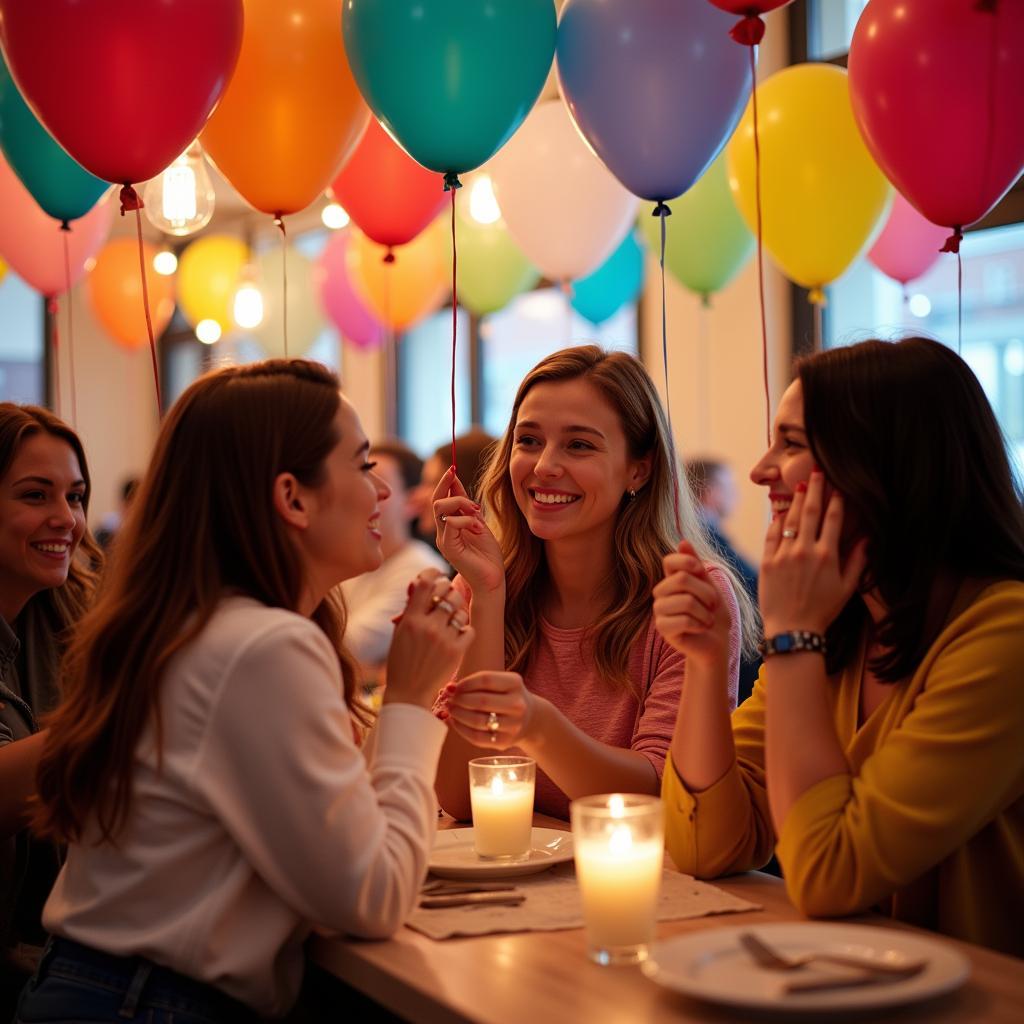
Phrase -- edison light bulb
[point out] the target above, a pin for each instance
(334, 216)
(180, 200)
(483, 206)
(248, 305)
(208, 331)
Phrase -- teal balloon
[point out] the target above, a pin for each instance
(618, 280)
(62, 187)
(450, 80)
(707, 241)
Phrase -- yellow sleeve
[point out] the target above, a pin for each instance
(725, 828)
(954, 763)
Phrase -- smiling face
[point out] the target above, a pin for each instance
(343, 537)
(789, 460)
(570, 466)
(42, 519)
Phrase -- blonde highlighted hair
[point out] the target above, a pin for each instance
(645, 530)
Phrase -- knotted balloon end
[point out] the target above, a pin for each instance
(130, 200)
(389, 256)
(705, 300)
(451, 181)
(661, 210)
(65, 226)
(51, 305)
(749, 31)
(952, 243)
(988, 6)
(816, 297)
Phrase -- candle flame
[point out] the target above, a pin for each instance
(616, 805)
(497, 785)
(621, 840)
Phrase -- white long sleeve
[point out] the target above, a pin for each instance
(266, 819)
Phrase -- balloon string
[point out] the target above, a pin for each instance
(760, 252)
(703, 375)
(66, 230)
(130, 200)
(662, 211)
(451, 185)
(959, 303)
(51, 308)
(279, 222)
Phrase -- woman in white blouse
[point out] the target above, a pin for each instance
(204, 767)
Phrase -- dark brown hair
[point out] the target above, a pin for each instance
(904, 431)
(201, 525)
(62, 606)
(645, 530)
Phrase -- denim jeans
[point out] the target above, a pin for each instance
(77, 984)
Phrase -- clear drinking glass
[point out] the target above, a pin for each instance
(501, 794)
(618, 841)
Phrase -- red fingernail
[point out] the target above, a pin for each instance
(398, 618)
(801, 487)
(450, 687)
(412, 587)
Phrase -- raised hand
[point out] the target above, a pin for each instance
(804, 583)
(470, 703)
(431, 637)
(464, 539)
(689, 611)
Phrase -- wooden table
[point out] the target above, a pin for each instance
(546, 978)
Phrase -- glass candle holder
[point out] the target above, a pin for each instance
(619, 842)
(501, 794)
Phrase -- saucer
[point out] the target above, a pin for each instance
(453, 855)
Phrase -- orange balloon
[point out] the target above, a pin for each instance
(415, 284)
(292, 113)
(115, 292)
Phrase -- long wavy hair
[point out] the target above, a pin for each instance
(61, 607)
(201, 526)
(904, 431)
(645, 528)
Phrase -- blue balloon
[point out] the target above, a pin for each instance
(618, 280)
(655, 86)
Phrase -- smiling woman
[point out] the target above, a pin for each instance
(578, 514)
(46, 581)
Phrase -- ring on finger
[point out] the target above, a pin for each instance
(445, 606)
(493, 724)
(459, 626)
(442, 518)
(789, 534)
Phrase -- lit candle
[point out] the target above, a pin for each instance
(618, 842)
(501, 794)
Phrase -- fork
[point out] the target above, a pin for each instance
(765, 956)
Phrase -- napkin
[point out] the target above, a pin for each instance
(553, 903)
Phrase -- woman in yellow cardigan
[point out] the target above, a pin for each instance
(882, 752)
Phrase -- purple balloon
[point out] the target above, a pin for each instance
(655, 86)
(343, 306)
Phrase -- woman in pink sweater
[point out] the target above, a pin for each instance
(578, 512)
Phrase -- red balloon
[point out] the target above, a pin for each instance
(389, 196)
(937, 88)
(123, 85)
(750, 30)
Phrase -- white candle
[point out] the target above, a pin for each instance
(502, 817)
(619, 879)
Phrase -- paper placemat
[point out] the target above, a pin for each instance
(553, 904)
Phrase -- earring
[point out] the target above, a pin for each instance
(632, 494)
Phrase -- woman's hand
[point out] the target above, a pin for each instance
(431, 637)
(464, 539)
(689, 610)
(802, 583)
(470, 702)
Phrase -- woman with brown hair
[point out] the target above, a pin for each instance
(203, 766)
(46, 582)
(578, 514)
(881, 752)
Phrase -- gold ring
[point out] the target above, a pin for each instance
(789, 534)
(492, 723)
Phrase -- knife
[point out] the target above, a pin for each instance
(501, 899)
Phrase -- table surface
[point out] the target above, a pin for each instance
(546, 978)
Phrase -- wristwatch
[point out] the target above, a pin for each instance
(793, 642)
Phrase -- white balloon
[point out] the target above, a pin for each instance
(560, 203)
(305, 320)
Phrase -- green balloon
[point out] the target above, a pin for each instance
(707, 242)
(451, 81)
(492, 269)
(62, 187)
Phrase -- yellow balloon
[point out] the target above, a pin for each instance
(822, 195)
(415, 284)
(208, 275)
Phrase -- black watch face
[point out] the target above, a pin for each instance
(784, 643)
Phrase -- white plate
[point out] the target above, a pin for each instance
(711, 965)
(453, 855)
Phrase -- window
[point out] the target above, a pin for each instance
(22, 349)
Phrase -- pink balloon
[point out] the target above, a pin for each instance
(908, 244)
(340, 302)
(31, 241)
